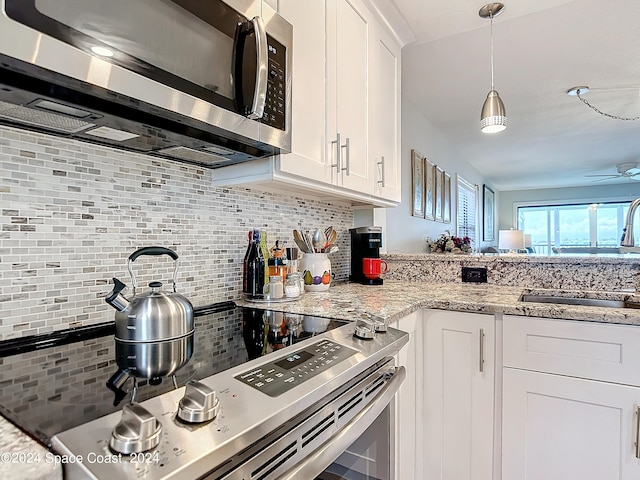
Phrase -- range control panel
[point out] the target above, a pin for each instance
(275, 378)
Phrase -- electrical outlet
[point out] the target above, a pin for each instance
(474, 274)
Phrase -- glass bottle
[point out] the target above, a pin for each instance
(253, 271)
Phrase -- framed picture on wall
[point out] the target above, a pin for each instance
(417, 182)
(446, 199)
(429, 186)
(439, 180)
(488, 214)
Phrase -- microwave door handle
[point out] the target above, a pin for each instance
(262, 68)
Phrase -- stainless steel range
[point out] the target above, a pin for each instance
(265, 395)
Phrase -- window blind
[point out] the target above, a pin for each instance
(467, 210)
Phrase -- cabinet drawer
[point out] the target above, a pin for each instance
(576, 348)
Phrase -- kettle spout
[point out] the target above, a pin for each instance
(116, 384)
(115, 298)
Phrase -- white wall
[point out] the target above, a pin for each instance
(405, 233)
(508, 200)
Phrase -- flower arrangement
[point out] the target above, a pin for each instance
(447, 243)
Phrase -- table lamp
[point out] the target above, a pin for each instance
(512, 240)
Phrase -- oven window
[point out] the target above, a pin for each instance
(369, 457)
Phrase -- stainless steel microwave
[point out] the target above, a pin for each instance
(203, 81)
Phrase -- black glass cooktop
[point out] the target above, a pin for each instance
(51, 383)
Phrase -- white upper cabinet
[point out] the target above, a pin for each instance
(349, 28)
(346, 108)
(384, 115)
(311, 156)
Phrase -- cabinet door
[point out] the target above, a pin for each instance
(559, 428)
(348, 30)
(408, 405)
(384, 114)
(310, 155)
(459, 396)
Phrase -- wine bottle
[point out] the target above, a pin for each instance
(254, 268)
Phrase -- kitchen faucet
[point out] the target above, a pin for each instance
(627, 243)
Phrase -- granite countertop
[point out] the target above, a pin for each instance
(22, 458)
(395, 299)
(576, 258)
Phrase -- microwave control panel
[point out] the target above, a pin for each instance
(275, 378)
(275, 104)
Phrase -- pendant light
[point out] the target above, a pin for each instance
(494, 116)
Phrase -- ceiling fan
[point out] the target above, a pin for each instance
(625, 170)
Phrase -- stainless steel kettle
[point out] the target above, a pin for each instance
(152, 315)
(154, 329)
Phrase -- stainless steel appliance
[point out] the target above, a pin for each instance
(207, 82)
(266, 395)
(154, 329)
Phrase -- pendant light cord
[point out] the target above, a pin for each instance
(491, 29)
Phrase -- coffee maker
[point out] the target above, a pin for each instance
(365, 243)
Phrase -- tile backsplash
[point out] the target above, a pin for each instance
(72, 213)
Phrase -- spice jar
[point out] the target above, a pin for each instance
(276, 287)
(292, 285)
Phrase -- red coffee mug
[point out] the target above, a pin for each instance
(371, 267)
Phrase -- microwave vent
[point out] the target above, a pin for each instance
(192, 155)
(40, 118)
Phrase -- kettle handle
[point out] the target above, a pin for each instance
(151, 251)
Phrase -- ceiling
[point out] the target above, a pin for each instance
(542, 48)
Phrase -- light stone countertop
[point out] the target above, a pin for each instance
(22, 458)
(392, 300)
(566, 258)
(395, 299)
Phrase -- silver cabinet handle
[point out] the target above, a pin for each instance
(338, 163)
(262, 68)
(381, 163)
(481, 350)
(637, 445)
(346, 146)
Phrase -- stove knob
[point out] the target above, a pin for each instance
(199, 404)
(379, 323)
(138, 431)
(364, 329)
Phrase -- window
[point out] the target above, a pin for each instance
(467, 208)
(579, 225)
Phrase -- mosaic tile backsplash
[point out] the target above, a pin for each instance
(72, 213)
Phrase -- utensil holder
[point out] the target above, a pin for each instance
(315, 269)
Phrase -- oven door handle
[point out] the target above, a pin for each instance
(328, 452)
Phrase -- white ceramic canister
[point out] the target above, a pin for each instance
(315, 269)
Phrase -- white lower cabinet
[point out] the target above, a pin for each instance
(459, 396)
(409, 402)
(517, 398)
(558, 426)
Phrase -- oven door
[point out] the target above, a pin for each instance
(363, 448)
(370, 456)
